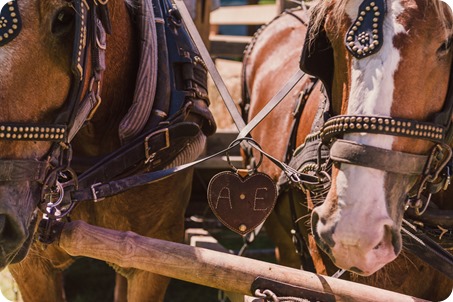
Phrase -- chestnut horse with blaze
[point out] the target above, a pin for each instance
(97, 97)
(365, 128)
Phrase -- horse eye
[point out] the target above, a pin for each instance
(445, 47)
(63, 23)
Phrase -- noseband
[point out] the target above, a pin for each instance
(363, 39)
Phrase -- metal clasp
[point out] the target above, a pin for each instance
(150, 156)
(93, 191)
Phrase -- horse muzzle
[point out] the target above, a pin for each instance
(17, 222)
(359, 246)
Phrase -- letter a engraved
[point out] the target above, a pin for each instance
(226, 196)
(258, 198)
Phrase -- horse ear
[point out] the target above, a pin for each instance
(317, 56)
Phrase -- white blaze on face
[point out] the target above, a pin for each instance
(372, 87)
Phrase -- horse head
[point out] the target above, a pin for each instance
(385, 65)
(52, 58)
(31, 44)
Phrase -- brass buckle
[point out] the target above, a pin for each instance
(149, 157)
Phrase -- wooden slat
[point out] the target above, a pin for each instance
(244, 14)
(228, 46)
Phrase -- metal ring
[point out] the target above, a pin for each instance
(238, 141)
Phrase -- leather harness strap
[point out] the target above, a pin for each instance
(351, 152)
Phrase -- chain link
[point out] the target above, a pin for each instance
(270, 296)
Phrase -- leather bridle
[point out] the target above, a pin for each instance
(91, 25)
(317, 59)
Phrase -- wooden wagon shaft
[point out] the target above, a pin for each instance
(205, 267)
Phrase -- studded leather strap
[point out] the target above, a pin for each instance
(341, 124)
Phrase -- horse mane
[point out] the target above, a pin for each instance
(337, 8)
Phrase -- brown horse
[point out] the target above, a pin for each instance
(356, 220)
(55, 59)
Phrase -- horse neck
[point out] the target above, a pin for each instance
(100, 135)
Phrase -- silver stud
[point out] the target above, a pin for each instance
(367, 8)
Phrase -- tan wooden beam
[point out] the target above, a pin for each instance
(209, 268)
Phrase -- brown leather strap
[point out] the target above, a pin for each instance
(350, 152)
(23, 170)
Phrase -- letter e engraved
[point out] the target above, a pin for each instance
(226, 196)
(255, 208)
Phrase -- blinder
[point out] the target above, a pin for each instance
(10, 22)
(365, 36)
(317, 56)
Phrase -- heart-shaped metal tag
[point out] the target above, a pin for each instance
(242, 203)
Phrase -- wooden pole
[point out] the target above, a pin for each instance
(205, 267)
